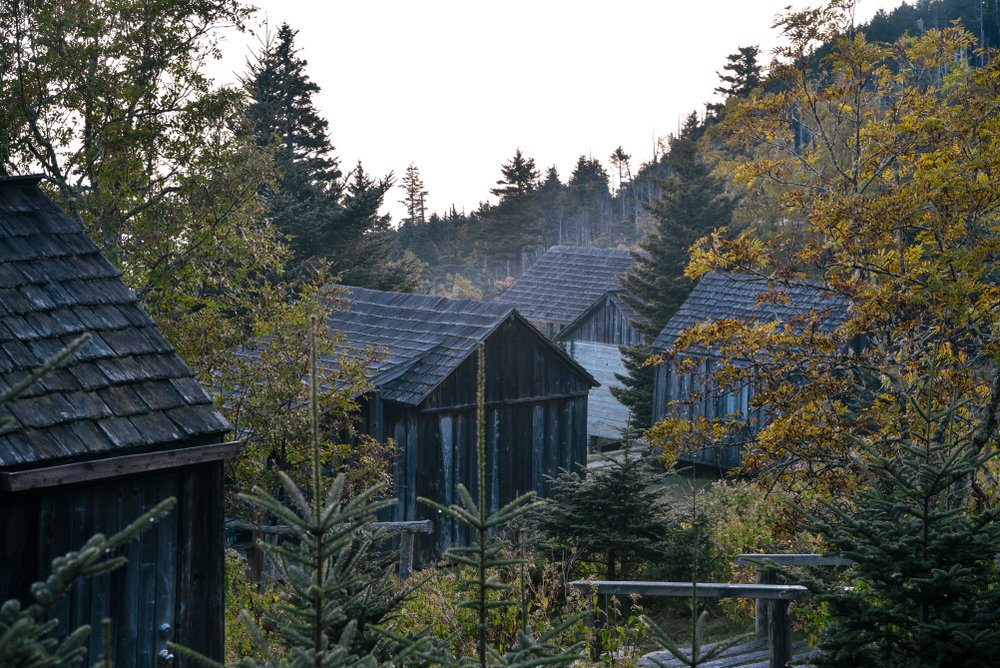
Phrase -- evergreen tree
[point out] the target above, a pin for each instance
(413, 195)
(926, 586)
(304, 201)
(511, 228)
(745, 74)
(366, 241)
(692, 203)
(615, 515)
(588, 200)
(552, 207)
(483, 592)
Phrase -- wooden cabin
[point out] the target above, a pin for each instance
(727, 296)
(425, 399)
(120, 426)
(573, 294)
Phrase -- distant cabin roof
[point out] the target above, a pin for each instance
(126, 390)
(424, 338)
(566, 281)
(734, 296)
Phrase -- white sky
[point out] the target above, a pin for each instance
(455, 86)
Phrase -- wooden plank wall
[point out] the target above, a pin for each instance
(669, 386)
(525, 442)
(605, 324)
(174, 569)
(606, 417)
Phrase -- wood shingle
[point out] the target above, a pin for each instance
(125, 390)
(566, 280)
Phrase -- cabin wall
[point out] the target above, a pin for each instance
(524, 441)
(174, 573)
(604, 324)
(606, 417)
(688, 391)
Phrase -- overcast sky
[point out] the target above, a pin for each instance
(455, 86)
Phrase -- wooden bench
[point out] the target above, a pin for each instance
(779, 631)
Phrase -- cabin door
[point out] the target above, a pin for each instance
(140, 598)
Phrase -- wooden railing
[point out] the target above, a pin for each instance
(771, 618)
(768, 576)
(779, 627)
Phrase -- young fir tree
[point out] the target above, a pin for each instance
(334, 590)
(693, 202)
(479, 560)
(615, 515)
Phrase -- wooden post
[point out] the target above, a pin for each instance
(762, 607)
(598, 620)
(779, 634)
(405, 555)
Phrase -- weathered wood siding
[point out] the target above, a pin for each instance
(606, 417)
(525, 442)
(606, 323)
(174, 570)
(691, 399)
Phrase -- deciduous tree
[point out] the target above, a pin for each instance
(885, 153)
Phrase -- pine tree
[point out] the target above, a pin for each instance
(366, 245)
(745, 75)
(304, 201)
(483, 592)
(692, 203)
(413, 197)
(614, 515)
(335, 587)
(924, 537)
(512, 228)
(588, 200)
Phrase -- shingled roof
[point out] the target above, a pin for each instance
(566, 281)
(423, 338)
(126, 391)
(734, 296)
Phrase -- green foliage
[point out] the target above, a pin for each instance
(926, 586)
(244, 597)
(336, 592)
(305, 200)
(615, 514)
(266, 400)
(109, 102)
(26, 632)
(692, 203)
(544, 600)
(327, 217)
